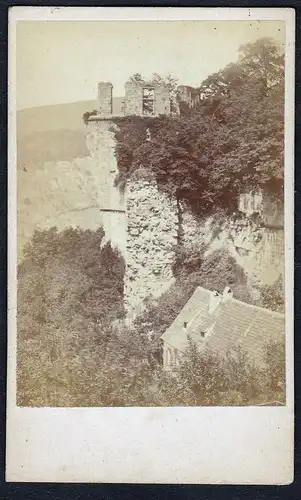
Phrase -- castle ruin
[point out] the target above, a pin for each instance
(143, 223)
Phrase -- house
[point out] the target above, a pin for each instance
(220, 323)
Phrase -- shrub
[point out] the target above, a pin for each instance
(88, 114)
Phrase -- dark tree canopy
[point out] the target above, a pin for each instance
(231, 142)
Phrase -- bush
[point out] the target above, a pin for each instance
(208, 379)
(273, 297)
(69, 292)
(207, 156)
(88, 114)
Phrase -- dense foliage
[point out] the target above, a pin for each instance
(73, 350)
(73, 347)
(232, 141)
(69, 291)
(272, 296)
(214, 272)
(210, 380)
(88, 114)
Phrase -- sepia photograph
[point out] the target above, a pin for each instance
(150, 213)
(151, 200)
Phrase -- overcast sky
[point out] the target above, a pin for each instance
(62, 61)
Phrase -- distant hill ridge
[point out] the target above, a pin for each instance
(57, 116)
(56, 176)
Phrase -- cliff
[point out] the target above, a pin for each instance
(145, 224)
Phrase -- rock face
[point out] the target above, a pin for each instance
(151, 239)
(146, 226)
(101, 144)
(257, 248)
(142, 222)
(58, 194)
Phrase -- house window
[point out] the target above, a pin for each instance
(148, 101)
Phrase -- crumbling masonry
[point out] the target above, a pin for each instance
(143, 223)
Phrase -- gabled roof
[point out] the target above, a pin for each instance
(233, 323)
(195, 313)
(251, 327)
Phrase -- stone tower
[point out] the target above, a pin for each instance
(105, 101)
(101, 144)
(132, 219)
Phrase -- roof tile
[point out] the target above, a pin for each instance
(234, 322)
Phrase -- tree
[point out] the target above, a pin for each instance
(274, 373)
(272, 296)
(264, 60)
(136, 77)
(206, 378)
(69, 292)
(260, 64)
(232, 142)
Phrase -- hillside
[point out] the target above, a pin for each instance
(57, 117)
(58, 184)
(184, 175)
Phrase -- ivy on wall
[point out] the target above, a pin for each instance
(231, 142)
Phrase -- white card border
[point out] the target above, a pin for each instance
(151, 445)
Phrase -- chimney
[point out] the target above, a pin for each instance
(227, 294)
(215, 299)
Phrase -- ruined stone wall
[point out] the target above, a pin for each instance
(196, 233)
(147, 226)
(188, 95)
(273, 212)
(151, 238)
(162, 100)
(101, 144)
(105, 91)
(133, 98)
(272, 255)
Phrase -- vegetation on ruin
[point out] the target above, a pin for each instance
(88, 115)
(73, 351)
(73, 348)
(232, 141)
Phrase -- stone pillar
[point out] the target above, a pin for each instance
(151, 240)
(162, 99)
(133, 98)
(105, 91)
